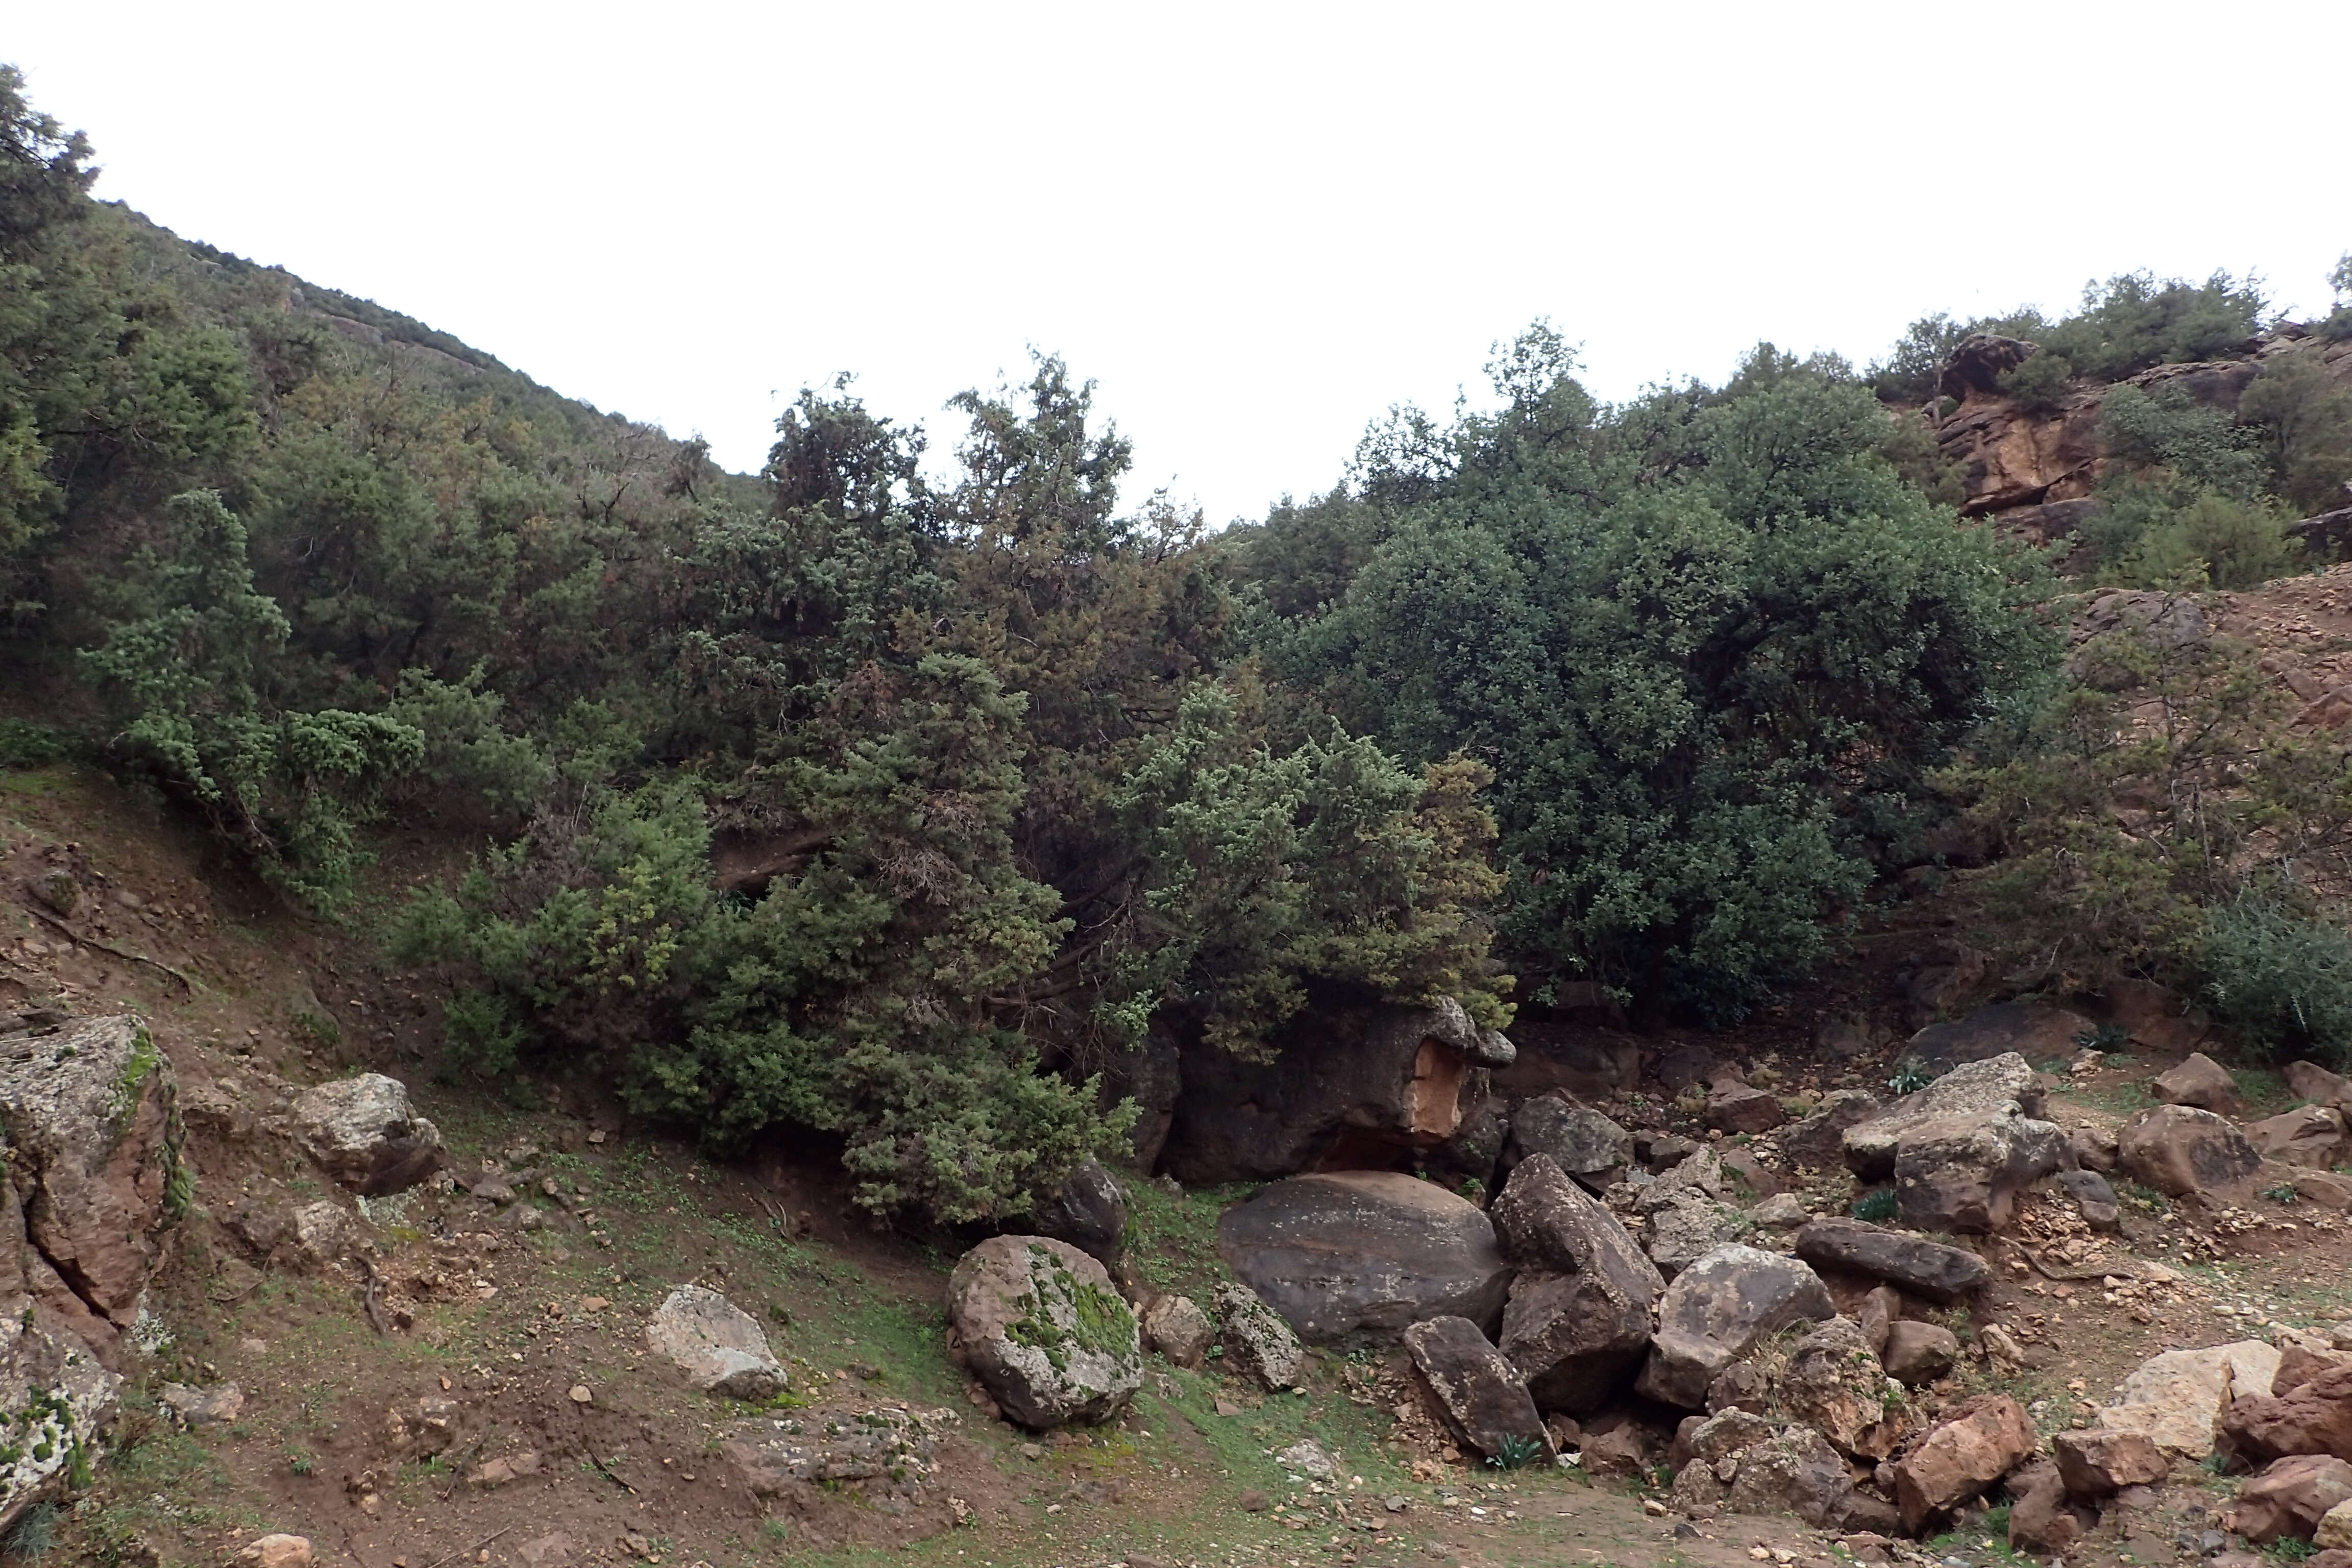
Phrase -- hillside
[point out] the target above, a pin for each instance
(1718, 978)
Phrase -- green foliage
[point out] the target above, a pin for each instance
(2279, 971)
(1515, 1453)
(2135, 320)
(1910, 372)
(34, 1535)
(2302, 419)
(1877, 1205)
(2150, 535)
(1911, 1074)
(1706, 643)
(2040, 384)
(26, 744)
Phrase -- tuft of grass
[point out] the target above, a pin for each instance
(34, 1534)
(1877, 1205)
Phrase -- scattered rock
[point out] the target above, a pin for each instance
(2026, 1029)
(1782, 1210)
(1833, 1383)
(363, 1132)
(2093, 1198)
(1716, 1309)
(55, 887)
(2094, 1148)
(2041, 1517)
(1310, 1459)
(1795, 1471)
(2100, 1461)
(1662, 1151)
(1975, 1443)
(1919, 1352)
(774, 1455)
(491, 1474)
(1365, 1250)
(1735, 1107)
(553, 1550)
(1043, 1329)
(1178, 1330)
(1581, 1142)
(276, 1552)
(717, 1344)
(2003, 1086)
(1929, 1269)
(2199, 1080)
(1964, 1172)
(1483, 1395)
(1089, 1211)
(1818, 1141)
(1257, 1341)
(1881, 1310)
(2288, 1499)
(2311, 1135)
(2176, 1397)
(2179, 1150)
(195, 1408)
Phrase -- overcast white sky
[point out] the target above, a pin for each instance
(1257, 226)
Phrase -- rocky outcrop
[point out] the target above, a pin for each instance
(2311, 1417)
(54, 1398)
(1834, 1384)
(1257, 1343)
(1961, 1149)
(1354, 1087)
(1928, 1269)
(2310, 1135)
(2179, 1150)
(1583, 1306)
(2044, 1517)
(363, 1132)
(95, 1172)
(1717, 1311)
(716, 1344)
(774, 1456)
(2001, 1086)
(1485, 1399)
(1043, 1329)
(1365, 1250)
(1793, 1470)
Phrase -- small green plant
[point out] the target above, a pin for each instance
(34, 1534)
(299, 1462)
(1877, 1206)
(2109, 1039)
(2291, 1548)
(2283, 1193)
(1910, 1077)
(1515, 1453)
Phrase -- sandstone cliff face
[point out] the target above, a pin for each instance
(2035, 470)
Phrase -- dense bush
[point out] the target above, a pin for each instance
(2134, 321)
(1706, 643)
(2279, 971)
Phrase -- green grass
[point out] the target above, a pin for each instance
(1173, 1240)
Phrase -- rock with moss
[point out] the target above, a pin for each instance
(1044, 1330)
(54, 1398)
(95, 1170)
(1256, 1340)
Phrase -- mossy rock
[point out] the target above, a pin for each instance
(1043, 1328)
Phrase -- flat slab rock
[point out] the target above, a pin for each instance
(2175, 1398)
(1929, 1269)
(1365, 1251)
(773, 1455)
(1485, 1399)
(2002, 1084)
(717, 1344)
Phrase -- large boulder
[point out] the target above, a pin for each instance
(2028, 1029)
(2175, 1399)
(1973, 1445)
(1679, 1233)
(2001, 1085)
(1578, 1140)
(1734, 1105)
(2179, 1150)
(1583, 1306)
(1342, 1252)
(2044, 1517)
(1976, 364)
(1717, 1311)
(1257, 1343)
(1089, 1211)
(1929, 1269)
(2098, 1461)
(1485, 1399)
(2289, 1499)
(363, 1132)
(2314, 1416)
(2199, 1080)
(2309, 1135)
(1045, 1332)
(1368, 1079)
(1917, 1353)
(1834, 1384)
(94, 1171)
(717, 1344)
(1964, 1173)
